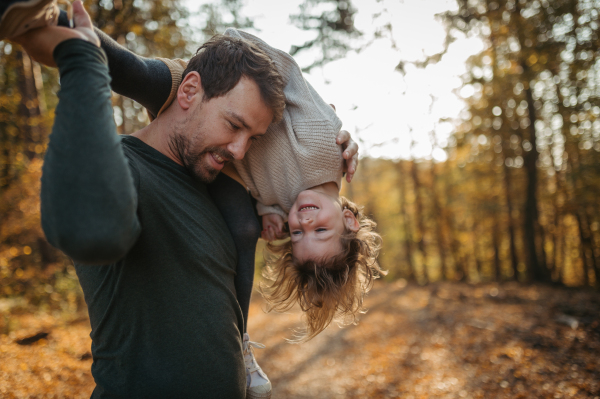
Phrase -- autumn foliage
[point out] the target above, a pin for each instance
(466, 240)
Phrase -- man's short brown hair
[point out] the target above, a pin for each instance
(223, 60)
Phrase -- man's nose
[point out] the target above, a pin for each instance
(238, 147)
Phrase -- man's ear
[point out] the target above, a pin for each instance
(190, 90)
(350, 220)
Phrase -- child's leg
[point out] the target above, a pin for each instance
(237, 209)
(145, 80)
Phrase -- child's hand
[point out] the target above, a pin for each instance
(272, 227)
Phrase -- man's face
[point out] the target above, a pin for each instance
(222, 129)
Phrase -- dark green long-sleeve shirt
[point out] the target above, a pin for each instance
(153, 254)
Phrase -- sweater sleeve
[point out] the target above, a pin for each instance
(268, 209)
(88, 198)
(176, 68)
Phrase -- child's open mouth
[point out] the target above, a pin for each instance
(309, 207)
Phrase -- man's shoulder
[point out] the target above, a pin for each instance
(137, 151)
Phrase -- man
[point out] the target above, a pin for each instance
(152, 252)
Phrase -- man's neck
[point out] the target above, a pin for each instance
(158, 136)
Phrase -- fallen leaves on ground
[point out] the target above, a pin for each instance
(445, 340)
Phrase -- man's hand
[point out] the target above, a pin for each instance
(350, 153)
(40, 43)
(272, 227)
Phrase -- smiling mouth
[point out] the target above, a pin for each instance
(218, 158)
(308, 208)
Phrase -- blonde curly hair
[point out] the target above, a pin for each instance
(327, 289)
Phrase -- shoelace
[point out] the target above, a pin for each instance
(248, 351)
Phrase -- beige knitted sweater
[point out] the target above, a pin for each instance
(295, 154)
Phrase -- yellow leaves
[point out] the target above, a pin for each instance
(532, 59)
(50, 367)
(137, 29)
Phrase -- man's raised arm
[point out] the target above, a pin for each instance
(88, 196)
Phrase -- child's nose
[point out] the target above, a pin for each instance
(305, 220)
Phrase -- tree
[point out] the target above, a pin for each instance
(532, 47)
(333, 23)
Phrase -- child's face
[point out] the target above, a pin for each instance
(316, 222)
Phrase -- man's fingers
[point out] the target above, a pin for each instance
(353, 164)
(80, 15)
(351, 150)
(83, 23)
(342, 137)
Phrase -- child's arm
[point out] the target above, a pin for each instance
(145, 80)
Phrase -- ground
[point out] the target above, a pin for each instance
(444, 340)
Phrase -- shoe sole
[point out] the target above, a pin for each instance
(26, 15)
(250, 395)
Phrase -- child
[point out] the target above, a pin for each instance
(294, 172)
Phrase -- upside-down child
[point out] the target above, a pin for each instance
(294, 172)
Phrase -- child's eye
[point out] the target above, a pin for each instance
(296, 233)
(320, 229)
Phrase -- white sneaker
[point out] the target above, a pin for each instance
(258, 385)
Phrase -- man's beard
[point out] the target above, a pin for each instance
(196, 163)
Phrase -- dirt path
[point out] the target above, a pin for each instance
(439, 341)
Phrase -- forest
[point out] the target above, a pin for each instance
(511, 213)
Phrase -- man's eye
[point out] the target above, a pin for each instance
(234, 127)
(254, 138)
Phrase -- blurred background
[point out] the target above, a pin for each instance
(478, 124)
(479, 130)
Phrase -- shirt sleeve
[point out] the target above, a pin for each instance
(88, 196)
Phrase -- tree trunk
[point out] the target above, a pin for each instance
(419, 223)
(475, 245)
(536, 266)
(496, 243)
(582, 246)
(29, 108)
(514, 261)
(408, 251)
(438, 211)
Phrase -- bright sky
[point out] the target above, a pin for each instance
(384, 110)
